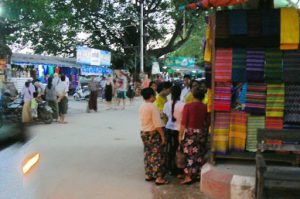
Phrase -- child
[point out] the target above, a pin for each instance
(34, 106)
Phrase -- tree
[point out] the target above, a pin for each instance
(54, 27)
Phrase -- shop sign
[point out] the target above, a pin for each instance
(184, 62)
(94, 57)
(92, 70)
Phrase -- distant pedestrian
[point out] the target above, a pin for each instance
(130, 91)
(121, 89)
(153, 85)
(186, 87)
(92, 104)
(153, 138)
(146, 82)
(50, 96)
(108, 92)
(27, 93)
(102, 88)
(61, 93)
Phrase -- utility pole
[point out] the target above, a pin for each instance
(142, 36)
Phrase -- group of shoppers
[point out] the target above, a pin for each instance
(55, 93)
(169, 126)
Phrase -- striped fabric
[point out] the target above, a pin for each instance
(291, 104)
(221, 132)
(255, 65)
(237, 131)
(223, 65)
(222, 97)
(274, 123)
(275, 100)
(273, 66)
(291, 66)
(254, 123)
(256, 98)
(239, 65)
(238, 22)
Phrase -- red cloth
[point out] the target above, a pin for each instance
(216, 3)
(274, 123)
(223, 65)
(195, 115)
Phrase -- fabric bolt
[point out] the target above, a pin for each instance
(291, 66)
(255, 65)
(222, 97)
(254, 23)
(223, 65)
(289, 29)
(209, 100)
(208, 43)
(256, 98)
(273, 66)
(292, 105)
(253, 123)
(238, 22)
(222, 24)
(275, 100)
(238, 131)
(274, 122)
(221, 132)
(239, 65)
(270, 22)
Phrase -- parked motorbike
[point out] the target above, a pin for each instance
(12, 108)
(44, 113)
(82, 93)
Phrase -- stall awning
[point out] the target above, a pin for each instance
(25, 59)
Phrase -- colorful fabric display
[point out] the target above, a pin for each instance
(239, 65)
(238, 22)
(222, 97)
(208, 43)
(222, 25)
(291, 66)
(223, 65)
(274, 123)
(256, 98)
(254, 23)
(254, 123)
(273, 66)
(237, 131)
(270, 22)
(275, 100)
(255, 65)
(291, 104)
(289, 29)
(221, 132)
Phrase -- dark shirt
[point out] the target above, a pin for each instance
(195, 116)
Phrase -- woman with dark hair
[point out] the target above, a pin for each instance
(50, 96)
(153, 85)
(27, 93)
(195, 119)
(173, 110)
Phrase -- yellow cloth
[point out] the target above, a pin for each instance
(289, 29)
(208, 46)
(209, 100)
(160, 103)
(189, 98)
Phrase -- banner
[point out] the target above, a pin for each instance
(155, 68)
(185, 62)
(92, 70)
(94, 57)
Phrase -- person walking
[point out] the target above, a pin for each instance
(153, 85)
(27, 93)
(173, 110)
(108, 92)
(195, 119)
(130, 92)
(50, 96)
(92, 104)
(121, 89)
(61, 93)
(153, 138)
(186, 87)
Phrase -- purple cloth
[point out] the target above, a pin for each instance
(27, 93)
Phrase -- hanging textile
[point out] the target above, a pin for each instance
(291, 104)
(254, 23)
(289, 29)
(255, 65)
(238, 22)
(273, 66)
(254, 123)
(239, 65)
(274, 122)
(238, 131)
(275, 100)
(222, 25)
(270, 22)
(208, 74)
(223, 65)
(221, 132)
(222, 97)
(208, 44)
(256, 98)
(291, 66)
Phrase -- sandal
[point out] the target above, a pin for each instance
(148, 179)
(187, 182)
(164, 182)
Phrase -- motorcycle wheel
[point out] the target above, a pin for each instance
(48, 119)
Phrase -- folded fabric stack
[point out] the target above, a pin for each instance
(289, 29)
(255, 65)
(222, 97)
(238, 22)
(222, 25)
(223, 65)
(254, 23)
(237, 131)
(254, 123)
(291, 66)
(270, 22)
(275, 100)
(256, 98)
(274, 123)
(239, 65)
(221, 132)
(273, 66)
(291, 104)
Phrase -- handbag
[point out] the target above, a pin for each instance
(180, 158)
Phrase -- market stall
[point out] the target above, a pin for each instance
(253, 59)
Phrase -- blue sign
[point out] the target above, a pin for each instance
(92, 70)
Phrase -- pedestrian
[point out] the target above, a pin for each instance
(186, 87)
(39, 89)
(153, 138)
(55, 79)
(92, 104)
(61, 93)
(189, 98)
(27, 93)
(163, 89)
(50, 96)
(173, 110)
(153, 85)
(146, 82)
(102, 88)
(195, 119)
(130, 91)
(34, 106)
(121, 89)
(108, 92)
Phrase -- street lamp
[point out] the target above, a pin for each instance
(142, 36)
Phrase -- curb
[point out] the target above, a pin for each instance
(218, 184)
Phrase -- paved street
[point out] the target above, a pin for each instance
(95, 155)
